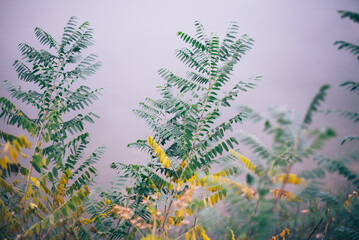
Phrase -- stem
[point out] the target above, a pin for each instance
(154, 227)
(203, 110)
(255, 210)
(202, 113)
(195, 219)
(33, 153)
(284, 182)
(288, 171)
(48, 231)
(315, 228)
(128, 230)
(326, 225)
(185, 233)
(27, 183)
(162, 226)
(139, 231)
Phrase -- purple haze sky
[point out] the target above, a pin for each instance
(293, 52)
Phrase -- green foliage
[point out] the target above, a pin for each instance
(352, 86)
(306, 209)
(311, 212)
(351, 15)
(48, 203)
(352, 48)
(188, 137)
(315, 103)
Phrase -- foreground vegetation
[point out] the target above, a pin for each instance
(196, 182)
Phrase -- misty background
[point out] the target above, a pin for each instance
(293, 51)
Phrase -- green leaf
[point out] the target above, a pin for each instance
(313, 107)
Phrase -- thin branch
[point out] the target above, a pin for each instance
(326, 225)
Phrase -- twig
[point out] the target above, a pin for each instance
(326, 225)
(321, 220)
(162, 226)
(37, 143)
(195, 219)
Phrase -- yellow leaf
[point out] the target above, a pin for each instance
(13, 155)
(204, 202)
(33, 179)
(157, 149)
(290, 178)
(170, 220)
(3, 163)
(16, 145)
(6, 147)
(188, 211)
(210, 202)
(150, 141)
(193, 234)
(37, 229)
(30, 233)
(24, 155)
(183, 163)
(158, 195)
(216, 196)
(107, 201)
(86, 189)
(161, 155)
(198, 230)
(181, 212)
(179, 222)
(232, 234)
(204, 236)
(64, 179)
(15, 182)
(32, 205)
(23, 140)
(166, 162)
(281, 194)
(29, 191)
(68, 172)
(179, 184)
(213, 200)
(186, 236)
(285, 231)
(251, 166)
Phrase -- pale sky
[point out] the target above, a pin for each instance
(293, 51)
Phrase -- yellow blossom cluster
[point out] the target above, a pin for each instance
(282, 235)
(11, 151)
(283, 194)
